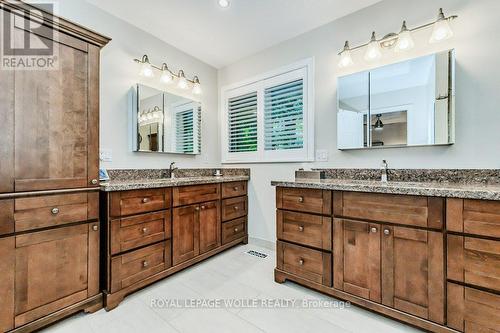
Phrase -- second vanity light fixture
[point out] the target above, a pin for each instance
(403, 41)
(167, 76)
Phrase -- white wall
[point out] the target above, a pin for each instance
(477, 101)
(119, 73)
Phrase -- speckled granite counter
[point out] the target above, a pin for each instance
(136, 184)
(435, 189)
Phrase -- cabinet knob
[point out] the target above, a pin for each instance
(95, 227)
(236, 207)
(374, 230)
(145, 200)
(94, 181)
(144, 230)
(145, 263)
(301, 228)
(55, 211)
(301, 262)
(301, 199)
(387, 232)
(203, 207)
(235, 188)
(236, 229)
(196, 208)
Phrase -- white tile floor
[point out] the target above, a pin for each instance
(230, 275)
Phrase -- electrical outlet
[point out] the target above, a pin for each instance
(106, 155)
(321, 155)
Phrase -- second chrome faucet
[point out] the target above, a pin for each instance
(384, 167)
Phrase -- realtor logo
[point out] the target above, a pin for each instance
(27, 42)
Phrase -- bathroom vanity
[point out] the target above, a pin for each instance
(424, 253)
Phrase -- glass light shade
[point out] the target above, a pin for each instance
(224, 3)
(197, 89)
(166, 77)
(183, 83)
(345, 59)
(373, 51)
(405, 41)
(147, 70)
(441, 31)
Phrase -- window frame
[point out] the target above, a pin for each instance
(302, 69)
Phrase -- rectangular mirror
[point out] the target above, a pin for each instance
(165, 123)
(410, 103)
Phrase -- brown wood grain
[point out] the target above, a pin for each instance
(93, 116)
(307, 200)
(7, 267)
(93, 259)
(137, 201)
(210, 226)
(6, 217)
(235, 229)
(7, 130)
(185, 233)
(306, 229)
(234, 189)
(187, 195)
(234, 208)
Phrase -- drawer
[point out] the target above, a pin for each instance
(474, 261)
(473, 311)
(476, 217)
(132, 232)
(234, 189)
(304, 200)
(187, 195)
(307, 263)
(54, 210)
(234, 208)
(233, 230)
(138, 265)
(401, 209)
(139, 201)
(305, 229)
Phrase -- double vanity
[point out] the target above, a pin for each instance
(426, 253)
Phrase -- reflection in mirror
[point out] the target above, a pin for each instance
(164, 122)
(405, 104)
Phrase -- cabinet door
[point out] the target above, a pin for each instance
(357, 258)
(7, 264)
(55, 269)
(56, 118)
(185, 232)
(413, 272)
(210, 226)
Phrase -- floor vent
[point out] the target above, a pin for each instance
(257, 254)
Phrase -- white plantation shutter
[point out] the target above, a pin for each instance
(242, 121)
(184, 130)
(284, 116)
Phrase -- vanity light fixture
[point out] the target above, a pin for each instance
(167, 76)
(379, 125)
(403, 41)
(224, 3)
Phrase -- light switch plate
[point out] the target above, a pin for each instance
(106, 155)
(321, 155)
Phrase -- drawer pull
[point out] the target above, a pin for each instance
(387, 232)
(196, 208)
(301, 262)
(235, 188)
(55, 211)
(301, 199)
(93, 181)
(203, 207)
(145, 200)
(95, 227)
(145, 264)
(236, 230)
(373, 230)
(301, 228)
(236, 207)
(144, 230)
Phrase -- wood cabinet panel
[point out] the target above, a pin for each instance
(7, 130)
(305, 229)
(187, 195)
(304, 200)
(185, 233)
(474, 261)
(210, 226)
(234, 189)
(234, 208)
(7, 282)
(476, 217)
(357, 258)
(413, 272)
(139, 201)
(399, 209)
(6, 217)
(233, 230)
(473, 311)
(132, 232)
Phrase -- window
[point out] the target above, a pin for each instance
(187, 123)
(270, 118)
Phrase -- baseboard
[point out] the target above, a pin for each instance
(262, 243)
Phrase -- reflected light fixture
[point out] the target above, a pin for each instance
(146, 68)
(183, 82)
(196, 86)
(405, 40)
(379, 125)
(166, 76)
(442, 29)
(224, 3)
(345, 56)
(373, 51)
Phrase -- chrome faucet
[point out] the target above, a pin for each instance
(172, 169)
(384, 168)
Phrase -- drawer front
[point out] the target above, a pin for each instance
(138, 265)
(304, 200)
(54, 210)
(139, 201)
(474, 261)
(305, 229)
(473, 311)
(309, 264)
(234, 189)
(476, 217)
(400, 209)
(187, 195)
(132, 232)
(233, 230)
(234, 208)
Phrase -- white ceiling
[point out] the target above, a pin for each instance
(221, 36)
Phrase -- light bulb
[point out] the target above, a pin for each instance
(183, 82)
(224, 3)
(442, 29)
(345, 57)
(373, 51)
(166, 76)
(147, 70)
(405, 40)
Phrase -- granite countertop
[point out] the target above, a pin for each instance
(435, 189)
(135, 184)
